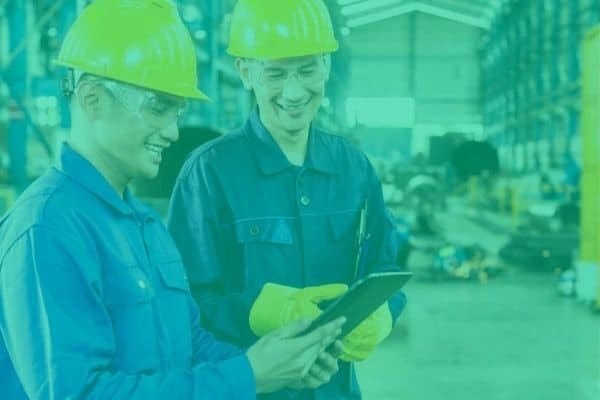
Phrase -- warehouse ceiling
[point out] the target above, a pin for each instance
(478, 13)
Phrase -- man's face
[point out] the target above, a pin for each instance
(288, 91)
(139, 126)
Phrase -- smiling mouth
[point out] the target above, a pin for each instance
(294, 109)
(155, 150)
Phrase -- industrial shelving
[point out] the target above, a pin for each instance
(530, 62)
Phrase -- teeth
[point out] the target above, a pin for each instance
(154, 148)
(294, 107)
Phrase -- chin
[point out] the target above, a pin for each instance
(292, 132)
(297, 122)
(150, 173)
(297, 127)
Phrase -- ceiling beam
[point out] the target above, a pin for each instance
(467, 7)
(367, 6)
(401, 8)
(483, 23)
(370, 18)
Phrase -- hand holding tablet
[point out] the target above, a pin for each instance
(362, 299)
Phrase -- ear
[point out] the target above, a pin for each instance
(91, 98)
(327, 61)
(243, 67)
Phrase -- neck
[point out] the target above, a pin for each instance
(90, 152)
(292, 144)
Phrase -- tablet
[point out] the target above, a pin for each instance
(362, 299)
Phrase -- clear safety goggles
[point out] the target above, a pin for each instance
(155, 109)
(274, 77)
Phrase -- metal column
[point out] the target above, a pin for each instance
(67, 14)
(16, 78)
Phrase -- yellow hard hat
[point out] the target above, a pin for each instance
(267, 29)
(140, 42)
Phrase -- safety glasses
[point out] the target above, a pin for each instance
(273, 77)
(158, 110)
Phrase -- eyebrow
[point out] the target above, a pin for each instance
(171, 100)
(308, 64)
(275, 68)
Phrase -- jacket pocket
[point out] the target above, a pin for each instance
(173, 304)
(266, 252)
(129, 298)
(272, 230)
(128, 285)
(173, 275)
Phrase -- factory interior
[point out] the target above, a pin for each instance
(481, 119)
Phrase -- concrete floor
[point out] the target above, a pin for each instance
(512, 339)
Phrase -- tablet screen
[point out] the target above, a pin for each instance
(363, 298)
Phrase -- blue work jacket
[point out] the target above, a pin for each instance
(95, 303)
(242, 215)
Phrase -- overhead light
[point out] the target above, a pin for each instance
(200, 34)
(191, 13)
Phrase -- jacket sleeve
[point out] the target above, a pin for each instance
(381, 246)
(206, 348)
(58, 333)
(193, 222)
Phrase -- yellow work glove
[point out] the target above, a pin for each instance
(278, 305)
(361, 341)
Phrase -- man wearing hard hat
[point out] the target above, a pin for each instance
(278, 217)
(94, 299)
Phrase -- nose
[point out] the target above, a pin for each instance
(170, 132)
(292, 89)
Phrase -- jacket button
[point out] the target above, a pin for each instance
(254, 230)
(142, 284)
(304, 200)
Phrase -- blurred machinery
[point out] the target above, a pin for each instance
(464, 263)
(190, 138)
(424, 197)
(544, 240)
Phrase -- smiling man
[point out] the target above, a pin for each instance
(94, 298)
(271, 219)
